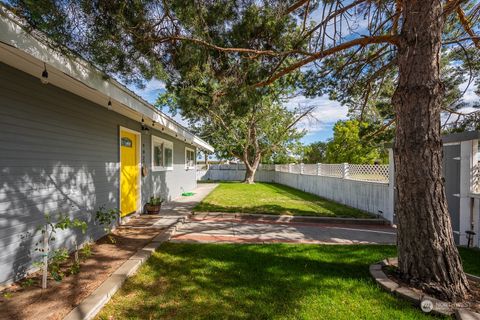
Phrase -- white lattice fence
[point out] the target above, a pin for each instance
(295, 168)
(331, 170)
(281, 167)
(476, 179)
(362, 172)
(310, 169)
(267, 167)
(368, 172)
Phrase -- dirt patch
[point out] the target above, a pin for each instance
(31, 302)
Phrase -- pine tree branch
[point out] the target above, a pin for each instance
(467, 27)
(295, 6)
(234, 50)
(364, 41)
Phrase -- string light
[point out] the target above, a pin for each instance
(44, 78)
(145, 129)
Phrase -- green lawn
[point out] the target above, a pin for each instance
(471, 260)
(277, 281)
(269, 198)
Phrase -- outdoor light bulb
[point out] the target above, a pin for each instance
(153, 123)
(109, 106)
(44, 78)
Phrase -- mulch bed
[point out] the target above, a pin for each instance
(21, 301)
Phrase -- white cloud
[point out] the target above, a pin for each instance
(326, 113)
(151, 90)
(470, 96)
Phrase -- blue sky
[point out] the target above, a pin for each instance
(319, 126)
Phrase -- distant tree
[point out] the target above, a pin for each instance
(315, 152)
(348, 146)
(292, 153)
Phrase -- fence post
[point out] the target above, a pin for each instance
(319, 169)
(345, 171)
(289, 168)
(302, 168)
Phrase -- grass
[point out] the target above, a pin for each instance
(269, 198)
(471, 260)
(278, 281)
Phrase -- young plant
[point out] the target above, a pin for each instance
(106, 218)
(28, 283)
(75, 268)
(155, 201)
(86, 251)
(56, 257)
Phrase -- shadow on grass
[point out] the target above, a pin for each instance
(189, 281)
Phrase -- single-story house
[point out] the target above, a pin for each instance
(72, 140)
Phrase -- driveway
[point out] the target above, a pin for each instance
(233, 230)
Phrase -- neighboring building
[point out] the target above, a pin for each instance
(75, 143)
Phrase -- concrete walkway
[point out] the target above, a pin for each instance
(167, 222)
(233, 230)
(171, 211)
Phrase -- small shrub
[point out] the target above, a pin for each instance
(106, 218)
(58, 257)
(8, 295)
(155, 201)
(28, 283)
(86, 251)
(75, 268)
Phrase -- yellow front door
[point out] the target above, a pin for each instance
(129, 172)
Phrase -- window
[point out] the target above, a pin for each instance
(189, 158)
(162, 154)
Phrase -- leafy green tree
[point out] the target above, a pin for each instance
(315, 152)
(268, 129)
(348, 146)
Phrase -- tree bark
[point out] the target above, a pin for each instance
(250, 175)
(427, 254)
(251, 169)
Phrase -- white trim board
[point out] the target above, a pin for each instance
(166, 143)
(194, 158)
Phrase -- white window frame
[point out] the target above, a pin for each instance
(166, 144)
(194, 158)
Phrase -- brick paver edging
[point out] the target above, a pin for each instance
(92, 305)
(287, 218)
(439, 307)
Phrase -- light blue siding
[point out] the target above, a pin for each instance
(59, 153)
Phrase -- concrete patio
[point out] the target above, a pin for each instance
(234, 230)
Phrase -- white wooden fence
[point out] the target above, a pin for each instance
(361, 172)
(365, 187)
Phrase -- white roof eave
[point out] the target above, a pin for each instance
(13, 35)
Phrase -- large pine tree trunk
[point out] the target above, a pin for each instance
(426, 249)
